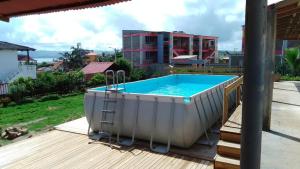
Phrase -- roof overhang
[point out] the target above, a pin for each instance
(14, 8)
(288, 19)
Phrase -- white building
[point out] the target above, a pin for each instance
(10, 67)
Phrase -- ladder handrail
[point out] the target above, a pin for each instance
(122, 72)
(106, 78)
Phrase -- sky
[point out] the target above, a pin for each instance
(101, 28)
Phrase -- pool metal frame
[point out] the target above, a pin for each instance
(174, 100)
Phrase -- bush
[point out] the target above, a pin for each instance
(51, 83)
(28, 100)
(49, 97)
(290, 78)
(96, 80)
(123, 64)
(17, 92)
(5, 101)
(137, 74)
(293, 60)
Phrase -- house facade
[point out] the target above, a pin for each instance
(144, 48)
(10, 67)
(90, 57)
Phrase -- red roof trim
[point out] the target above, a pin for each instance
(13, 8)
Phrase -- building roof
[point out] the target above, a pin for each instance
(11, 46)
(96, 67)
(56, 65)
(13, 8)
(288, 19)
(24, 58)
(91, 54)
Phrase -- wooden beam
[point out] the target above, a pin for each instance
(287, 8)
(4, 18)
(269, 66)
(289, 13)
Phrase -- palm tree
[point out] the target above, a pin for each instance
(292, 58)
(73, 60)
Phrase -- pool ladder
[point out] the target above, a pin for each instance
(111, 89)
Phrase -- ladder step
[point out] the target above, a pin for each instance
(108, 111)
(110, 100)
(107, 122)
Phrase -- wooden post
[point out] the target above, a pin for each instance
(269, 66)
(28, 58)
(225, 106)
(238, 95)
(254, 80)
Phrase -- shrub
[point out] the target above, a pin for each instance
(17, 92)
(49, 97)
(28, 100)
(137, 74)
(96, 80)
(290, 78)
(5, 101)
(123, 64)
(293, 60)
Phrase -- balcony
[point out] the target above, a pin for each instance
(24, 70)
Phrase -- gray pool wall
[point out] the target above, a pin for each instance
(187, 125)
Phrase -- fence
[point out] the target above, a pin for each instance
(234, 86)
(3, 89)
(208, 70)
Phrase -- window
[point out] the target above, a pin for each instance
(150, 40)
(211, 43)
(148, 56)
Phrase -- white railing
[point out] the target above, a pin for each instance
(23, 71)
(3, 89)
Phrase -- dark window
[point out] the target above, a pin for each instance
(149, 56)
(211, 43)
(150, 40)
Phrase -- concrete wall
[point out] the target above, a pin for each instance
(160, 48)
(25, 71)
(8, 63)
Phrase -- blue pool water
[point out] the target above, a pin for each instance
(184, 85)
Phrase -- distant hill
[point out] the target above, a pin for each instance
(49, 56)
(44, 54)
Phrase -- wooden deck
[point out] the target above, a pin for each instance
(229, 148)
(59, 149)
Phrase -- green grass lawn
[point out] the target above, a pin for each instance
(38, 116)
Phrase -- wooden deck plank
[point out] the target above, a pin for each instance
(235, 120)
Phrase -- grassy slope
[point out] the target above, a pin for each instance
(42, 115)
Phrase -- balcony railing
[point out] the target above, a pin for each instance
(3, 89)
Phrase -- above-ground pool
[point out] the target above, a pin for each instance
(176, 108)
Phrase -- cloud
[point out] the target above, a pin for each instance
(100, 28)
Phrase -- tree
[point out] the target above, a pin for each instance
(104, 57)
(123, 64)
(73, 60)
(293, 60)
